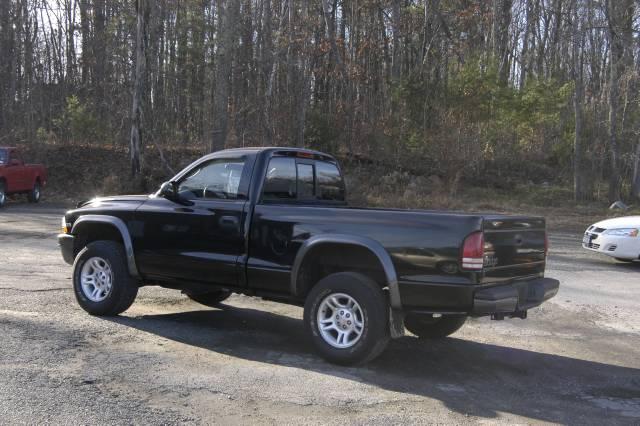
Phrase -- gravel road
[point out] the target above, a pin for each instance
(169, 360)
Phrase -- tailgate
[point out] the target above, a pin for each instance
(515, 247)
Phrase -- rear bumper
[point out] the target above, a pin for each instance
(514, 297)
(66, 243)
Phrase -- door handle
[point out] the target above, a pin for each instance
(229, 222)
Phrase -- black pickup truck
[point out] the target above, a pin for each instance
(274, 223)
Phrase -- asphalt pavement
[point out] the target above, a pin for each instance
(168, 360)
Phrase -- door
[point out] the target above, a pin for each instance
(17, 179)
(201, 239)
(289, 212)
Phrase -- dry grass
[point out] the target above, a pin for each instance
(555, 203)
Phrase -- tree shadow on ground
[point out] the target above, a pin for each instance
(468, 377)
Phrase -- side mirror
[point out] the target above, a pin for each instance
(169, 190)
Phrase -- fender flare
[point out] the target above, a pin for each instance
(119, 224)
(372, 245)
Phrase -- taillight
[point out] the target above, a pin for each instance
(473, 252)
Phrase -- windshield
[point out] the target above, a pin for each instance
(3, 156)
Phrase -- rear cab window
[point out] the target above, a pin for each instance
(292, 179)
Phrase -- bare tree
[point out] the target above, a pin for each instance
(616, 51)
(135, 144)
(579, 184)
(227, 14)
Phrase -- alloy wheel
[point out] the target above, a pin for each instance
(340, 320)
(96, 279)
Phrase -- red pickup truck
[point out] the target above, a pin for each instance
(16, 177)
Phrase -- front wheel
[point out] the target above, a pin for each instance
(426, 326)
(347, 316)
(36, 191)
(101, 280)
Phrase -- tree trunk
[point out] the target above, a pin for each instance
(579, 184)
(303, 80)
(226, 30)
(70, 50)
(395, 60)
(135, 144)
(500, 36)
(84, 31)
(343, 71)
(616, 52)
(635, 182)
(99, 44)
(524, 57)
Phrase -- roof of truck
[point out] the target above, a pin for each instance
(257, 149)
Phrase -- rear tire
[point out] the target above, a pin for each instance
(354, 314)
(35, 193)
(427, 327)
(101, 279)
(212, 299)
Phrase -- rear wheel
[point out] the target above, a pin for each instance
(212, 299)
(3, 194)
(101, 280)
(428, 327)
(36, 191)
(347, 316)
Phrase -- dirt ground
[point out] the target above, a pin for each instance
(168, 360)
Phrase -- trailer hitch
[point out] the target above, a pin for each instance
(502, 316)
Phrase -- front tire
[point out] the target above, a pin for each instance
(35, 193)
(347, 317)
(101, 280)
(428, 327)
(212, 299)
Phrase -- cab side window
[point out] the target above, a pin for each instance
(330, 185)
(304, 180)
(215, 179)
(280, 181)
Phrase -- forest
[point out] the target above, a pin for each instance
(454, 93)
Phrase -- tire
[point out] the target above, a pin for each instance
(371, 310)
(108, 258)
(36, 191)
(212, 299)
(427, 327)
(3, 194)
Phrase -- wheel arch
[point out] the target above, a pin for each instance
(109, 227)
(363, 244)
